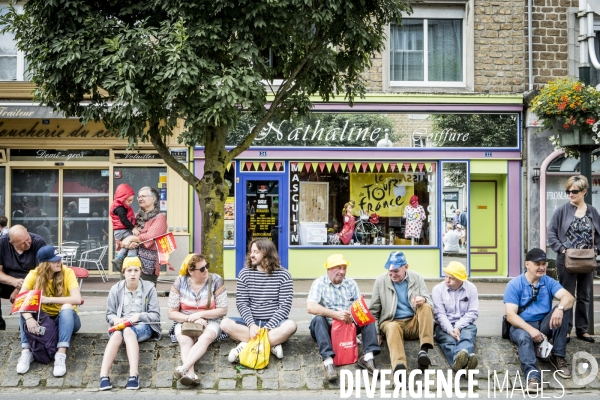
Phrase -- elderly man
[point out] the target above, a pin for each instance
(529, 310)
(455, 309)
(264, 300)
(403, 309)
(18, 252)
(330, 297)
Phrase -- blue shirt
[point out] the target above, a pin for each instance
(403, 309)
(519, 292)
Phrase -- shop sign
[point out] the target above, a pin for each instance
(58, 155)
(136, 156)
(451, 196)
(27, 112)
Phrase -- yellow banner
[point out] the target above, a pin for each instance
(383, 194)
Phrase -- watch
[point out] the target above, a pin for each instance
(561, 308)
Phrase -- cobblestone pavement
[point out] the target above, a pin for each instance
(300, 369)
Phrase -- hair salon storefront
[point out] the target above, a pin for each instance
(445, 153)
(57, 178)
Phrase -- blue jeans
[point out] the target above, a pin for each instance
(451, 346)
(320, 330)
(143, 332)
(68, 323)
(526, 347)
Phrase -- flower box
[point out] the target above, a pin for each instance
(572, 136)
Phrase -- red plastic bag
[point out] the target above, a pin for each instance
(343, 341)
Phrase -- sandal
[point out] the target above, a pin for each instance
(188, 380)
(179, 372)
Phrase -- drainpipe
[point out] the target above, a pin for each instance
(529, 42)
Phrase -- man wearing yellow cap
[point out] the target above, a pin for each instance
(455, 309)
(330, 297)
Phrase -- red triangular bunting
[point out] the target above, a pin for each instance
(336, 165)
(378, 166)
(263, 166)
(248, 166)
(392, 167)
(350, 166)
(364, 166)
(277, 166)
(433, 166)
(406, 166)
(321, 166)
(420, 166)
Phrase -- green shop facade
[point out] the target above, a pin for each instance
(457, 157)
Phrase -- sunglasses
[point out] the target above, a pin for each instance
(534, 292)
(573, 191)
(202, 269)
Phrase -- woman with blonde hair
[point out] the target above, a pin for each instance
(347, 231)
(192, 300)
(571, 226)
(60, 297)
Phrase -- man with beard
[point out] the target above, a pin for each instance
(264, 300)
(330, 298)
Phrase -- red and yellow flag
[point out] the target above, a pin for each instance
(165, 245)
(360, 312)
(29, 301)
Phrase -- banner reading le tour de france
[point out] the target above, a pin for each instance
(383, 194)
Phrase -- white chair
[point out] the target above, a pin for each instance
(69, 249)
(95, 256)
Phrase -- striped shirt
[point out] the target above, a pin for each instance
(334, 297)
(183, 298)
(264, 296)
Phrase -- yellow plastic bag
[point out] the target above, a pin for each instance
(256, 353)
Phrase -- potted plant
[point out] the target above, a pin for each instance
(572, 109)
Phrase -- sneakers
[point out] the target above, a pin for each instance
(60, 367)
(533, 385)
(133, 383)
(233, 354)
(117, 263)
(330, 373)
(473, 361)
(105, 383)
(423, 359)
(399, 367)
(460, 360)
(24, 361)
(562, 369)
(277, 351)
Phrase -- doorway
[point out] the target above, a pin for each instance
(263, 197)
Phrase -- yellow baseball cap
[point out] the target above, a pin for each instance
(131, 262)
(457, 270)
(335, 260)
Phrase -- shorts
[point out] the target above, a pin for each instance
(212, 325)
(142, 331)
(259, 322)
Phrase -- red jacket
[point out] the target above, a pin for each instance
(121, 194)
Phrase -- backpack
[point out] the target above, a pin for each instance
(43, 347)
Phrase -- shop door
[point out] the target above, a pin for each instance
(262, 197)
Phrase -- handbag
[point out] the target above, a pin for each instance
(194, 329)
(255, 354)
(343, 341)
(581, 261)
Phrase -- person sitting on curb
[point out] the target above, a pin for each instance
(134, 300)
(60, 297)
(189, 302)
(330, 297)
(264, 300)
(528, 304)
(455, 310)
(403, 309)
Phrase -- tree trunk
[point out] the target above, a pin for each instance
(212, 191)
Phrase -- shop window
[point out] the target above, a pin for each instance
(426, 50)
(381, 194)
(13, 65)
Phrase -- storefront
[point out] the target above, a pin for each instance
(450, 155)
(57, 178)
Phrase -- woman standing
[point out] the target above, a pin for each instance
(188, 302)
(347, 231)
(133, 300)
(152, 224)
(571, 227)
(60, 296)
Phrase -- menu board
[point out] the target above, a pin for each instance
(262, 203)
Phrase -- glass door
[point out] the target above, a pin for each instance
(262, 196)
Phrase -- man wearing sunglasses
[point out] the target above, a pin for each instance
(529, 310)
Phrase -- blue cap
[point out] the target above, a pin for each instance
(396, 260)
(49, 253)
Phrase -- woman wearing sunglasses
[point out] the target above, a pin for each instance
(188, 301)
(571, 227)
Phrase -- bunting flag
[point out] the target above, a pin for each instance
(271, 165)
(393, 167)
(414, 166)
(372, 167)
(314, 166)
(321, 166)
(29, 301)
(350, 166)
(433, 166)
(256, 164)
(328, 167)
(364, 167)
(278, 166)
(378, 166)
(420, 166)
(342, 165)
(263, 166)
(248, 166)
(406, 166)
(336, 165)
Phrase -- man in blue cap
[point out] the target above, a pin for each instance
(404, 310)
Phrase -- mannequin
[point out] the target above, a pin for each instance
(414, 213)
(349, 222)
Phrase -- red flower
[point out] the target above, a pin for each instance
(590, 121)
(566, 126)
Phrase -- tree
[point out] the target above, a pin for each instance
(143, 66)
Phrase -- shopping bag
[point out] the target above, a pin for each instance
(256, 353)
(343, 341)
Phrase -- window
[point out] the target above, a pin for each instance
(428, 51)
(12, 62)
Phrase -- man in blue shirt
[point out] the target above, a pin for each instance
(528, 303)
(330, 297)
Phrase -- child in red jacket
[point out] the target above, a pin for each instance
(123, 221)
